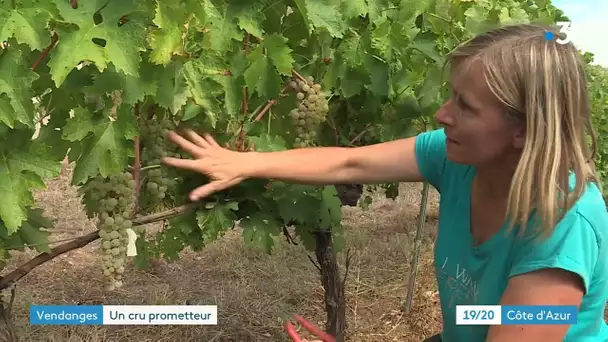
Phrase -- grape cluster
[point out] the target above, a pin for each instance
(157, 180)
(158, 184)
(155, 142)
(115, 198)
(311, 110)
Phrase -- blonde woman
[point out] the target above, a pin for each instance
(513, 140)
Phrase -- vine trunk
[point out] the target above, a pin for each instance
(335, 304)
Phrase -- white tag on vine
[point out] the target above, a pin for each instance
(131, 249)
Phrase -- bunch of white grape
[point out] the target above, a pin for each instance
(155, 142)
(156, 146)
(311, 110)
(115, 196)
(158, 184)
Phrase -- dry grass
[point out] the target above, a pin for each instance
(254, 292)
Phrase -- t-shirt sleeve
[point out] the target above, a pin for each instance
(431, 157)
(573, 246)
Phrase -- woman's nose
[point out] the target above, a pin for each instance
(444, 115)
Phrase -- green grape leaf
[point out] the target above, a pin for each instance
(32, 235)
(322, 14)
(430, 89)
(379, 75)
(513, 16)
(259, 229)
(145, 252)
(16, 89)
(191, 110)
(127, 122)
(79, 126)
(351, 50)
(24, 164)
(171, 240)
(298, 203)
(426, 43)
(167, 40)
(477, 20)
(172, 92)
(222, 26)
(206, 80)
(215, 221)
(261, 76)
(133, 88)
(354, 8)
(109, 41)
(338, 238)
(267, 143)
(304, 232)
(26, 21)
(104, 150)
(279, 53)
(250, 15)
(330, 213)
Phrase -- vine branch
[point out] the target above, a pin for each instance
(332, 125)
(288, 237)
(298, 75)
(347, 263)
(246, 48)
(6, 313)
(46, 51)
(149, 167)
(265, 109)
(240, 143)
(21, 271)
(360, 135)
(314, 263)
(137, 165)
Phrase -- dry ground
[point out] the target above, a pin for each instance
(253, 291)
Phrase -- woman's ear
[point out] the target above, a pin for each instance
(519, 139)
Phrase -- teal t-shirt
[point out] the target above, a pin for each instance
(468, 275)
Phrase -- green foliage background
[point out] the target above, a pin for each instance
(116, 63)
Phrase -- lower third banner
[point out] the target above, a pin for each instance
(123, 314)
(515, 314)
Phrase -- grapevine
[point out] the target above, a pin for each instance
(256, 75)
(115, 197)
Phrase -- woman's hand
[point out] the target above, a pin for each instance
(222, 166)
(295, 337)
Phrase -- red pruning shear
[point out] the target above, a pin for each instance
(293, 334)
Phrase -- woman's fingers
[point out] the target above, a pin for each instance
(210, 140)
(197, 139)
(204, 191)
(187, 164)
(209, 188)
(185, 144)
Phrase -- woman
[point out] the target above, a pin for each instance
(513, 140)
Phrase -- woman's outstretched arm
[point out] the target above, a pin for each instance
(393, 161)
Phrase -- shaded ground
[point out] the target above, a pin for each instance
(253, 291)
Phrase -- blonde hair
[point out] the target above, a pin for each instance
(543, 84)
